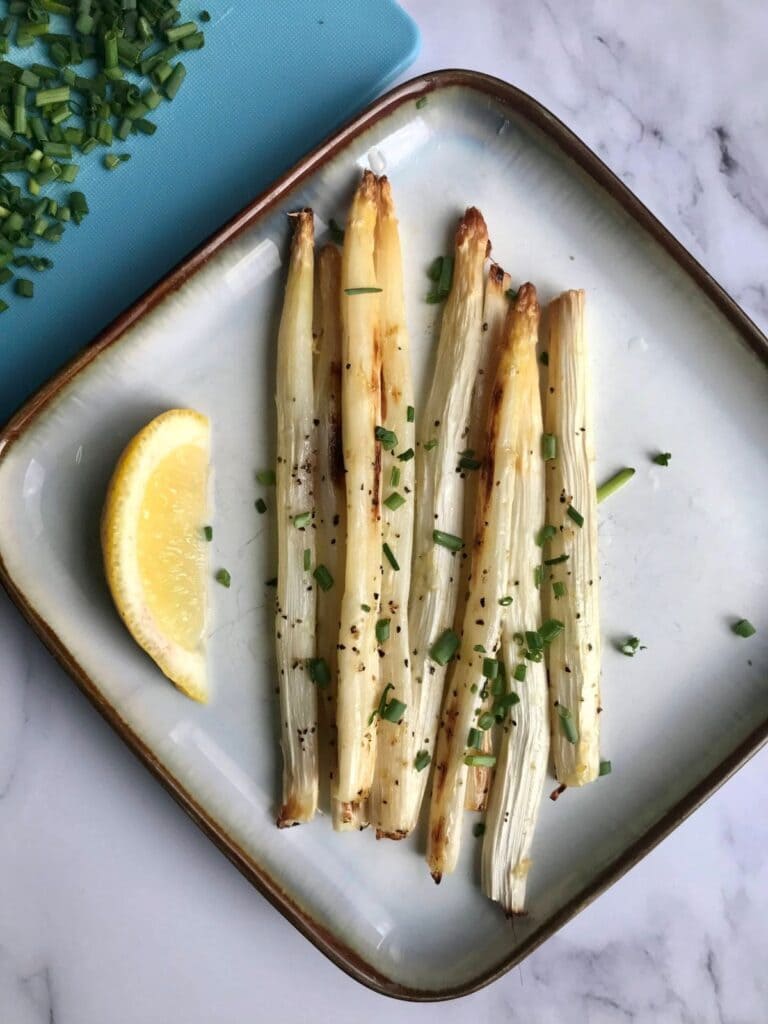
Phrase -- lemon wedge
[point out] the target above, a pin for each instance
(154, 545)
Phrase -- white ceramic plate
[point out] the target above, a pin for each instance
(683, 549)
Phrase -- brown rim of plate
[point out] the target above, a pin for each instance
(520, 105)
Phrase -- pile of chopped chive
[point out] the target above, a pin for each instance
(51, 115)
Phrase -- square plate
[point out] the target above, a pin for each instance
(677, 366)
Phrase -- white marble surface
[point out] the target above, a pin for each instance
(114, 909)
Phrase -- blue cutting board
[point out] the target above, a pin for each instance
(275, 77)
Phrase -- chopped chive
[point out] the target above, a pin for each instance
(519, 673)
(319, 672)
(204, 16)
(567, 724)
(444, 648)
(447, 540)
(421, 760)
(557, 560)
(266, 477)
(558, 588)
(433, 270)
(490, 668)
(336, 232)
(534, 640)
(261, 506)
(549, 630)
(307, 559)
(469, 462)
(480, 760)
(323, 577)
(422, 102)
(361, 291)
(390, 556)
(394, 501)
(630, 646)
(429, 445)
(506, 601)
(485, 721)
(605, 768)
(744, 628)
(478, 829)
(24, 287)
(173, 83)
(410, 414)
(662, 459)
(445, 280)
(388, 438)
(479, 648)
(394, 477)
(518, 638)
(208, 533)
(223, 577)
(365, 607)
(538, 575)
(545, 533)
(533, 655)
(503, 703)
(575, 515)
(407, 455)
(382, 631)
(392, 711)
(614, 483)
(474, 738)
(302, 520)
(548, 447)
(512, 294)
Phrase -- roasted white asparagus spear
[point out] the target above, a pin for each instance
(331, 518)
(388, 811)
(295, 616)
(476, 668)
(495, 308)
(443, 425)
(359, 690)
(523, 744)
(570, 586)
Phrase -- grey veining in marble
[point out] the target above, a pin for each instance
(114, 909)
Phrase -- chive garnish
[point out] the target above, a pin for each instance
(575, 515)
(223, 577)
(534, 640)
(549, 630)
(558, 588)
(429, 445)
(261, 506)
(614, 483)
(407, 455)
(410, 414)
(365, 607)
(557, 560)
(421, 760)
(208, 533)
(390, 557)
(605, 768)
(478, 829)
(538, 575)
(444, 648)
(479, 648)
(503, 703)
(433, 270)
(548, 447)
(512, 294)
(388, 438)
(24, 287)
(266, 477)
(382, 631)
(505, 601)
(474, 738)
(394, 501)
(422, 102)
(390, 712)
(567, 724)
(469, 462)
(441, 272)
(447, 540)
(480, 760)
(662, 459)
(631, 646)
(370, 290)
(302, 520)
(490, 668)
(394, 477)
(323, 577)
(485, 721)
(307, 559)
(546, 533)
(319, 672)
(744, 628)
(519, 673)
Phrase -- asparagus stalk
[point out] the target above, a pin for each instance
(388, 809)
(358, 660)
(573, 656)
(523, 749)
(295, 615)
(479, 778)
(442, 432)
(476, 668)
(331, 508)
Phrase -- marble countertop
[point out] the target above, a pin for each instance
(114, 909)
